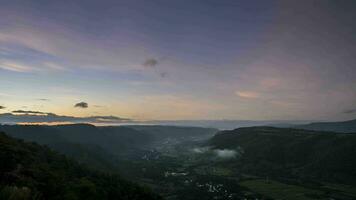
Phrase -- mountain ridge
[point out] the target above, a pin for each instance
(348, 126)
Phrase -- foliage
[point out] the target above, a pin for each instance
(292, 153)
(31, 171)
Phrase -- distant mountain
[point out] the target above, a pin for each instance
(115, 140)
(286, 152)
(224, 124)
(29, 171)
(342, 127)
(104, 147)
(98, 147)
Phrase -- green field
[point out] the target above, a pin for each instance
(345, 189)
(277, 190)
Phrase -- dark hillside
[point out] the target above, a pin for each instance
(292, 153)
(115, 140)
(31, 171)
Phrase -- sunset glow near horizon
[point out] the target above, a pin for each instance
(179, 59)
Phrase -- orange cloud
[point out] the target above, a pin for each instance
(15, 67)
(247, 94)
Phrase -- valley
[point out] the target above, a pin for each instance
(184, 173)
(202, 163)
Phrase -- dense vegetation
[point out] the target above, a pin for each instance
(292, 153)
(31, 171)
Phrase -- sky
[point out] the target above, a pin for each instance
(179, 59)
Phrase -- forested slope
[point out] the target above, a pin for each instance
(31, 171)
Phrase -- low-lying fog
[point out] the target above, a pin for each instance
(218, 153)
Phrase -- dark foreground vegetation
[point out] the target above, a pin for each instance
(30, 171)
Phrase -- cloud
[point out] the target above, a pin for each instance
(225, 153)
(51, 49)
(29, 112)
(21, 116)
(2, 107)
(53, 66)
(247, 94)
(43, 99)
(150, 63)
(350, 111)
(217, 153)
(201, 150)
(15, 67)
(26, 65)
(24, 59)
(81, 105)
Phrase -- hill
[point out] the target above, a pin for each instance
(113, 139)
(292, 153)
(30, 171)
(116, 140)
(98, 147)
(105, 147)
(159, 133)
(342, 127)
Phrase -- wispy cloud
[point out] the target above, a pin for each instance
(218, 153)
(29, 112)
(22, 116)
(225, 153)
(15, 67)
(43, 99)
(77, 50)
(247, 94)
(53, 66)
(32, 65)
